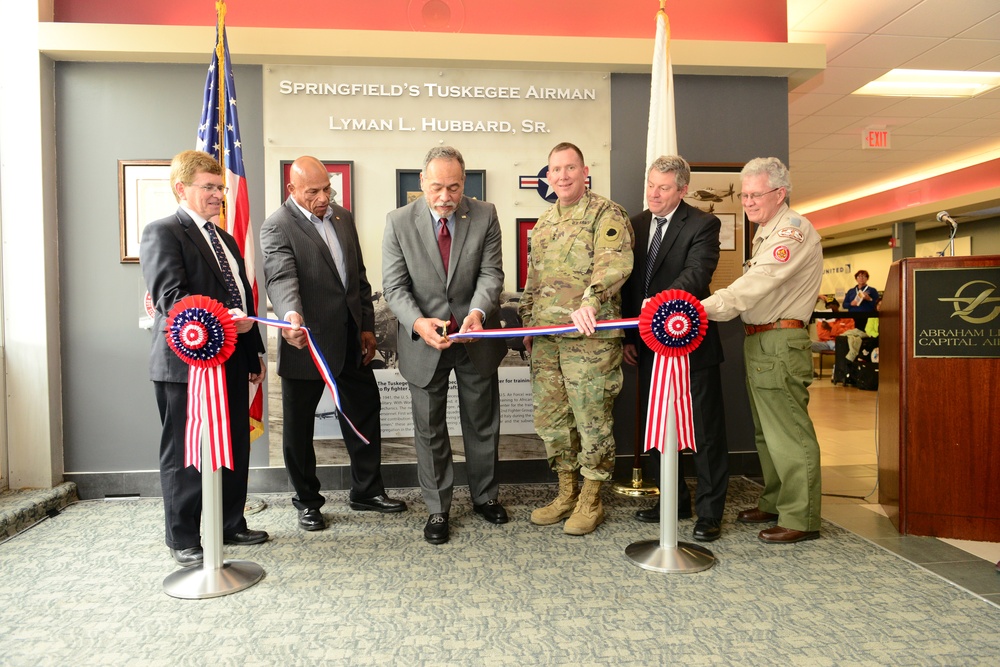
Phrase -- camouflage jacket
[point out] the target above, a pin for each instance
(578, 257)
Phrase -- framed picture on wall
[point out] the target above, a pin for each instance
(714, 188)
(727, 234)
(408, 185)
(524, 227)
(143, 196)
(341, 180)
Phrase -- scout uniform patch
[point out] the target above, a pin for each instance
(781, 253)
(791, 233)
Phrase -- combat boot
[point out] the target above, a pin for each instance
(589, 512)
(562, 506)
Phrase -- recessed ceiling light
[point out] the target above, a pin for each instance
(930, 83)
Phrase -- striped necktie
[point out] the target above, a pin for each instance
(654, 248)
(235, 300)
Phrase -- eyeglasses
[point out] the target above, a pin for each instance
(756, 196)
(221, 189)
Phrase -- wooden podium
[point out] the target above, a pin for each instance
(939, 397)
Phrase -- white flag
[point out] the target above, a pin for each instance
(662, 135)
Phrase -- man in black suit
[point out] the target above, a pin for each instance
(181, 255)
(316, 278)
(684, 257)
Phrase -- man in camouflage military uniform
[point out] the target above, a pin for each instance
(581, 254)
(775, 298)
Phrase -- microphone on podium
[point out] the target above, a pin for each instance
(944, 217)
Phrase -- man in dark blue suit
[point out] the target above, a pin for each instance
(684, 256)
(184, 254)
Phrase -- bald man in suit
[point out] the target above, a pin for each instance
(432, 299)
(316, 278)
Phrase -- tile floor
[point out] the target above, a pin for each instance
(845, 421)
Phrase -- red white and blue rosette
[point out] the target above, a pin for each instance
(201, 332)
(672, 324)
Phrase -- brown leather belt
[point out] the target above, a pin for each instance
(752, 329)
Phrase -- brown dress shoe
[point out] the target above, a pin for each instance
(779, 535)
(755, 515)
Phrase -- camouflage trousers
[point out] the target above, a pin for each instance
(574, 382)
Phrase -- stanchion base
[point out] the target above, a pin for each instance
(197, 583)
(253, 505)
(685, 557)
(636, 488)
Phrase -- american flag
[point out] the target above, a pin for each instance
(219, 135)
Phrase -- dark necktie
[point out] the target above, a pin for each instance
(654, 248)
(235, 301)
(444, 245)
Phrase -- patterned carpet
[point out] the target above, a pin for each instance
(85, 588)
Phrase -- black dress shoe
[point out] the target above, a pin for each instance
(380, 503)
(436, 529)
(652, 515)
(188, 557)
(312, 519)
(707, 530)
(492, 511)
(246, 537)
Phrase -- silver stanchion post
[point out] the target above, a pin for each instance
(214, 577)
(667, 554)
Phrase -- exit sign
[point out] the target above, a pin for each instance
(875, 137)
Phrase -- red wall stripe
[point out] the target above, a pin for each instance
(718, 20)
(969, 180)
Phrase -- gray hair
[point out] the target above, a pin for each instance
(776, 171)
(445, 153)
(666, 164)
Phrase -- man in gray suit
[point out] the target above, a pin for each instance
(316, 278)
(441, 264)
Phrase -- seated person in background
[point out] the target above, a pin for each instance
(854, 336)
(828, 330)
(826, 302)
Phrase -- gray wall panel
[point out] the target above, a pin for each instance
(107, 112)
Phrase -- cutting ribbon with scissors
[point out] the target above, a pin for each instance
(672, 324)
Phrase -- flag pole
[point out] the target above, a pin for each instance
(665, 554)
(214, 577)
(220, 55)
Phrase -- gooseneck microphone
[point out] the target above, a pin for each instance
(944, 217)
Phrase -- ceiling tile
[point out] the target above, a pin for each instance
(941, 18)
(885, 51)
(956, 54)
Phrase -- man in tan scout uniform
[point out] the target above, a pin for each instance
(581, 254)
(775, 298)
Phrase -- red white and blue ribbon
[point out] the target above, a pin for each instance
(201, 332)
(672, 324)
(320, 361)
(513, 332)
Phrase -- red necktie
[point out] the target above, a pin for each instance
(444, 245)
